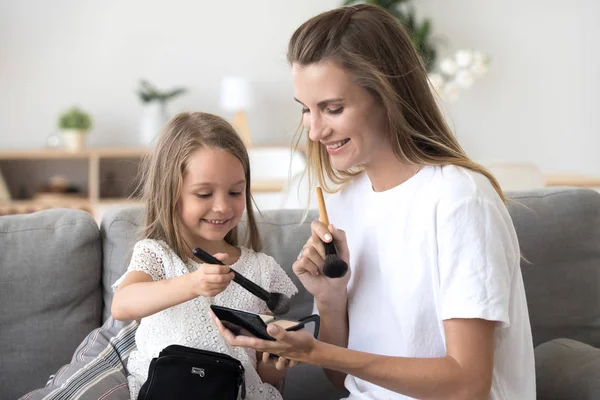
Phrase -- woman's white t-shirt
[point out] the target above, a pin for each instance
(439, 246)
(189, 324)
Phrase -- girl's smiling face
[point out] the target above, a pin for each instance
(213, 197)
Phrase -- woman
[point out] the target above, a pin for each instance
(434, 306)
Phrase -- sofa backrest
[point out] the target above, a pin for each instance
(50, 293)
(559, 235)
(54, 270)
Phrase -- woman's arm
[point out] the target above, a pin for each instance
(330, 295)
(334, 330)
(464, 373)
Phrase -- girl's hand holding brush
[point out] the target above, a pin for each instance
(211, 279)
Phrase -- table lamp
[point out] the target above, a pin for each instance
(236, 96)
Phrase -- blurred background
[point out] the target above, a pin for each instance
(531, 106)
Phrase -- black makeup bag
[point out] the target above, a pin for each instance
(182, 373)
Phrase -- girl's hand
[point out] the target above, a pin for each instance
(309, 265)
(210, 280)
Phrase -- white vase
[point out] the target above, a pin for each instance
(153, 119)
(74, 139)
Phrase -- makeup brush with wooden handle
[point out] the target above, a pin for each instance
(334, 266)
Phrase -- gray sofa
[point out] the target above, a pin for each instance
(57, 266)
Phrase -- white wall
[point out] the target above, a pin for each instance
(539, 102)
(93, 53)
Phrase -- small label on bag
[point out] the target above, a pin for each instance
(198, 371)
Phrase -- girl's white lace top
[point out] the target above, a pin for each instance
(189, 324)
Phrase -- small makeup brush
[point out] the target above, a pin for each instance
(278, 303)
(334, 266)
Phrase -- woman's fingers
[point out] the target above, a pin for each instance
(281, 363)
(341, 244)
(266, 357)
(304, 265)
(319, 234)
(311, 253)
(320, 231)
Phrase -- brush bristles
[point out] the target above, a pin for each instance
(278, 303)
(334, 266)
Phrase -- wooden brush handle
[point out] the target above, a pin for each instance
(322, 210)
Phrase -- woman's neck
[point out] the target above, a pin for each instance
(386, 171)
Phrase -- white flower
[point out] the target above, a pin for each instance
(480, 64)
(448, 66)
(479, 58)
(450, 92)
(463, 58)
(436, 81)
(464, 78)
(478, 69)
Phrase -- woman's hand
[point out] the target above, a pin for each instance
(293, 346)
(210, 280)
(280, 363)
(309, 265)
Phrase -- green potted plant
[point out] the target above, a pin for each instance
(420, 31)
(75, 125)
(155, 112)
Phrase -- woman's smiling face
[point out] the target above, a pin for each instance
(340, 114)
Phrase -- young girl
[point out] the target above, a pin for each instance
(196, 188)
(434, 306)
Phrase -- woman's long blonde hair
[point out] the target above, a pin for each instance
(163, 170)
(368, 43)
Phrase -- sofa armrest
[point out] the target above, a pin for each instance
(567, 369)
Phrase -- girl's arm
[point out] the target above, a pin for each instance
(138, 296)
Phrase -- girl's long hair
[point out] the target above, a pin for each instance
(163, 170)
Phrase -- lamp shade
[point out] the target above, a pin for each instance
(235, 93)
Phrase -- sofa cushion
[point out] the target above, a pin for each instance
(566, 369)
(559, 236)
(98, 368)
(120, 230)
(50, 296)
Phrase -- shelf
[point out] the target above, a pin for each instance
(100, 152)
(106, 176)
(566, 179)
